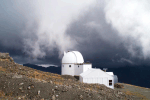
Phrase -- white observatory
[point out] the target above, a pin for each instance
(73, 64)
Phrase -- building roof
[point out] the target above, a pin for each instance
(93, 72)
(110, 73)
(72, 57)
(87, 72)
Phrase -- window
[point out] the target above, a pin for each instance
(110, 82)
(69, 65)
(78, 66)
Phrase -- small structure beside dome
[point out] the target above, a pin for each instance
(73, 64)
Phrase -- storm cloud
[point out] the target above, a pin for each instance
(107, 33)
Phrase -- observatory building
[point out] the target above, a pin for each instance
(73, 64)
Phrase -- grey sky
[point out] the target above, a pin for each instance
(107, 33)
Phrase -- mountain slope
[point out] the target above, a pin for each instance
(22, 82)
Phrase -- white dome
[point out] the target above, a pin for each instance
(72, 57)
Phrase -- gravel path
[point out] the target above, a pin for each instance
(136, 90)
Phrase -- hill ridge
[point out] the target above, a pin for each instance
(22, 82)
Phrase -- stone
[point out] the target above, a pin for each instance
(118, 85)
(19, 98)
(56, 95)
(22, 91)
(56, 87)
(32, 86)
(81, 97)
(21, 83)
(28, 87)
(53, 97)
(20, 88)
(4, 55)
(52, 89)
(50, 82)
(11, 59)
(17, 76)
(119, 92)
(38, 92)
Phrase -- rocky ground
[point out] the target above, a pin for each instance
(24, 83)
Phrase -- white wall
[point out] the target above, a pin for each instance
(78, 70)
(81, 79)
(99, 80)
(86, 67)
(66, 70)
(98, 76)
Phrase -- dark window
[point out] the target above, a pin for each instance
(69, 65)
(110, 82)
(78, 65)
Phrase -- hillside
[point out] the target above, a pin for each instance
(22, 82)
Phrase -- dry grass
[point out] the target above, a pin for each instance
(2, 69)
(2, 94)
(136, 86)
(58, 83)
(135, 94)
(128, 93)
(90, 89)
(5, 96)
(4, 59)
(43, 75)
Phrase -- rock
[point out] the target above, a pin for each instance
(19, 98)
(22, 91)
(119, 92)
(56, 95)
(20, 88)
(64, 89)
(17, 76)
(28, 87)
(32, 86)
(4, 55)
(42, 99)
(53, 97)
(86, 91)
(56, 87)
(52, 89)
(11, 59)
(23, 97)
(38, 92)
(50, 82)
(21, 83)
(81, 97)
(118, 85)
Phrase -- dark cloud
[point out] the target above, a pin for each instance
(99, 42)
(31, 36)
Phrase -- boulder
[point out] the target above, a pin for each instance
(4, 55)
(118, 85)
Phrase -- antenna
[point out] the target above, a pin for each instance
(104, 69)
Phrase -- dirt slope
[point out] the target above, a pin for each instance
(21, 82)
